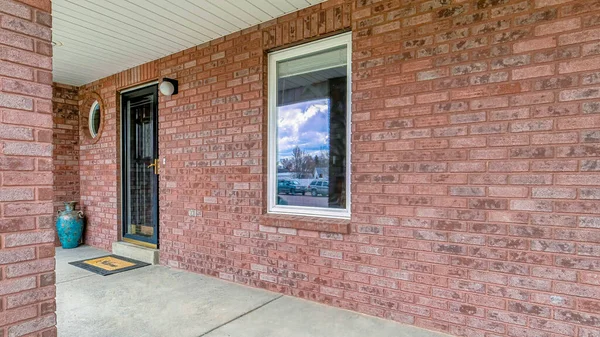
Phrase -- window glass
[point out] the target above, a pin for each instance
(311, 112)
(94, 118)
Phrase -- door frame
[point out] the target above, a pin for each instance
(123, 165)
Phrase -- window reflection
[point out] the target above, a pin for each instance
(311, 130)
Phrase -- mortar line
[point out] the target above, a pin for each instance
(240, 316)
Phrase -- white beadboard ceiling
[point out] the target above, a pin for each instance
(103, 37)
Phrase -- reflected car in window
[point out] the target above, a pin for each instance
(290, 187)
(319, 187)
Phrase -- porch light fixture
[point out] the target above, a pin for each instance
(168, 87)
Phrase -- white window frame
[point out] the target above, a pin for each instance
(91, 119)
(289, 53)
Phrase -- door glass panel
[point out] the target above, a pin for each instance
(139, 170)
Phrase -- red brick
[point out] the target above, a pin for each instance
(535, 98)
(511, 61)
(529, 283)
(27, 268)
(32, 238)
(16, 224)
(589, 193)
(528, 126)
(590, 278)
(9, 256)
(486, 325)
(578, 37)
(432, 74)
(592, 78)
(553, 220)
(488, 154)
(27, 118)
(531, 72)
(590, 165)
(401, 101)
(537, 44)
(585, 249)
(15, 102)
(17, 40)
(467, 167)
(555, 138)
(43, 18)
(577, 65)
(27, 149)
(577, 206)
(555, 110)
(32, 326)
(27, 88)
(580, 318)
(431, 98)
(558, 27)
(539, 152)
(25, 27)
(16, 9)
(513, 140)
(554, 165)
(553, 193)
(547, 3)
(20, 179)
(26, 58)
(488, 277)
(17, 194)
(30, 297)
(488, 103)
(578, 94)
(24, 209)
(514, 192)
(416, 20)
(578, 150)
(471, 142)
(14, 70)
(552, 246)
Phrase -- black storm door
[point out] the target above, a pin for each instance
(140, 166)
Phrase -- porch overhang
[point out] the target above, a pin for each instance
(94, 39)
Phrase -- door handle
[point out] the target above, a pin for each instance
(156, 166)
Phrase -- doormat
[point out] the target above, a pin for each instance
(109, 264)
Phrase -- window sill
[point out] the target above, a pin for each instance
(309, 223)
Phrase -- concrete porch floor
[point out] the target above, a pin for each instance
(160, 301)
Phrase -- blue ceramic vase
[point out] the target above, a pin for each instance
(69, 226)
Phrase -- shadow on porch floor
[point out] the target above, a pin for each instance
(159, 301)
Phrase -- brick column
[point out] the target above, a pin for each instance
(27, 288)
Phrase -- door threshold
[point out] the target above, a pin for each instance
(136, 252)
(141, 243)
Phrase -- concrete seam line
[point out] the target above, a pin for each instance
(240, 316)
(75, 279)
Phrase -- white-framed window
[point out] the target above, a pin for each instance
(309, 129)
(94, 119)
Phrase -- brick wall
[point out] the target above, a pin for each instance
(475, 166)
(26, 223)
(65, 104)
(476, 158)
(65, 153)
